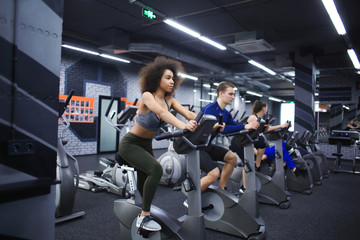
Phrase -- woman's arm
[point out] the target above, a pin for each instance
(270, 128)
(181, 109)
(150, 102)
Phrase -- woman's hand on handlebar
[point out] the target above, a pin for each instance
(191, 125)
(285, 125)
(217, 125)
(252, 125)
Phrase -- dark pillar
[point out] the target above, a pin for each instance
(305, 82)
(336, 116)
(30, 55)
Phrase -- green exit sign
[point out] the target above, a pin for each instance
(149, 14)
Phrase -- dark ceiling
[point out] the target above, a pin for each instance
(295, 28)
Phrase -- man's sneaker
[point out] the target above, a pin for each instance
(185, 203)
(257, 168)
(148, 223)
(242, 189)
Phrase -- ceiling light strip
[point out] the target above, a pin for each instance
(334, 16)
(254, 93)
(182, 28)
(194, 34)
(95, 53)
(354, 58)
(275, 99)
(80, 49)
(114, 58)
(204, 100)
(183, 75)
(256, 64)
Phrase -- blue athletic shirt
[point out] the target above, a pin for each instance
(230, 125)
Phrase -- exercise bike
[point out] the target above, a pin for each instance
(270, 189)
(273, 190)
(173, 164)
(191, 226)
(225, 212)
(312, 161)
(66, 189)
(313, 147)
(113, 178)
(304, 182)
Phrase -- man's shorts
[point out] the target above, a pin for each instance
(210, 155)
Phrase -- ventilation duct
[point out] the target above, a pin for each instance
(250, 42)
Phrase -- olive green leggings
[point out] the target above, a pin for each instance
(138, 152)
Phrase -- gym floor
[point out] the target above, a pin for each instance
(331, 212)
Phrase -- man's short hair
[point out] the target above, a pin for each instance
(223, 86)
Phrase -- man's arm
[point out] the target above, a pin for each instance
(232, 126)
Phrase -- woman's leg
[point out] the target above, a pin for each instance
(259, 156)
(149, 171)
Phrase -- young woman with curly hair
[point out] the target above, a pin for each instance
(158, 82)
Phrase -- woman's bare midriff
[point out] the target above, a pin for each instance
(142, 132)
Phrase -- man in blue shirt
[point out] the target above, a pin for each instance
(225, 96)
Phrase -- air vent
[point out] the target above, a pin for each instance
(252, 46)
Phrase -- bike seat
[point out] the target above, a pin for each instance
(121, 161)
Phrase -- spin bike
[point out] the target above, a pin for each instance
(225, 212)
(312, 161)
(304, 182)
(313, 148)
(271, 190)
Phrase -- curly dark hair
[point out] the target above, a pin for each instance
(151, 73)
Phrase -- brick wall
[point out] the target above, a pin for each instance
(94, 90)
(74, 145)
(91, 77)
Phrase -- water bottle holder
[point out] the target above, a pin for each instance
(247, 166)
(188, 183)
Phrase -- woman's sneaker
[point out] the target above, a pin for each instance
(242, 189)
(148, 223)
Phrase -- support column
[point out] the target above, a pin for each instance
(30, 55)
(305, 82)
(336, 116)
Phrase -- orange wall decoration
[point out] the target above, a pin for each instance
(80, 109)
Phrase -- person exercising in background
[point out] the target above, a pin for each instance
(270, 153)
(353, 125)
(260, 110)
(225, 96)
(158, 82)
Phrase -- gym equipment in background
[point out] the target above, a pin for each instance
(113, 178)
(345, 138)
(313, 148)
(66, 189)
(302, 183)
(312, 161)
